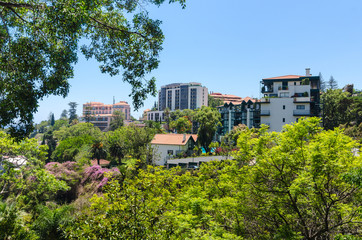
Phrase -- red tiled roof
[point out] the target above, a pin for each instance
(102, 162)
(172, 139)
(284, 77)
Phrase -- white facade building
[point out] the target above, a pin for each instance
(169, 145)
(288, 98)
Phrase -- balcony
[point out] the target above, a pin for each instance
(283, 88)
(302, 99)
(265, 113)
(265, 100)
(268, 89)
(301, 113)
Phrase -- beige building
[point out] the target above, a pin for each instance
(100, 114)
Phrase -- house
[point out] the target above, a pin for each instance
(288, 98)
(169, 145)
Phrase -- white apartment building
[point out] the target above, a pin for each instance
(288, 98)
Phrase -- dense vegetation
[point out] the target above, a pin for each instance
(302, 183)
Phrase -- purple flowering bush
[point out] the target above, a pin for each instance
(98, 176)
(67, 171)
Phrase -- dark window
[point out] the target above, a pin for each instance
(169, 152)
(300, 107)
(295, 83)
(283, 106)
(283, 119)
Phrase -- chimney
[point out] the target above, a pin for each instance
(307, 72)
(184, 140)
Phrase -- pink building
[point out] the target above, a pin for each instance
(100, 114)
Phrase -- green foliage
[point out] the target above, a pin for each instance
(131, 142)
(40, 42)
(208, 120)
(181, 125)
(68, 149)
(98, 151)
(213, 102)
(77, 130)
(341, 108)
(117, 120)
(12, 223)
(51, 221)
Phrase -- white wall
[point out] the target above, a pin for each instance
(161, 150)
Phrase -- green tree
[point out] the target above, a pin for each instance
(332, 83)
(72, 111)
(117, 120)
(167, 113)
(40, 40)
(213, 102)
(208, 119)
(181, 125)
(341, 108)
(51, 119)
(98, 151)
(294, 182)
(64, 114)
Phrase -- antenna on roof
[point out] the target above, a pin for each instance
(114, 101)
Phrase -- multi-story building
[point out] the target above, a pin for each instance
(288, 98)
(100, 114)
(182, 96)
(246, 112)
(227, 98)
(179, 96)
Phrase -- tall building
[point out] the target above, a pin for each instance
(182, 96)
(100, 114)
(288, 98)
(179, 96)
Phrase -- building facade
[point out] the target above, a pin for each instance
(288, 98)
(100, 114)
(182, 96)
(179, 96)
(227, 98)
(246, 112)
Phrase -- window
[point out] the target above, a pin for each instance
(284, 94)
(283, 107)
(283, 119)
(300, 107)
(295, 83)
(296, 119)
(169, 152)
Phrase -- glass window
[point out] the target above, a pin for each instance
(300, 107)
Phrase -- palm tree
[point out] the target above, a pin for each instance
(98, 150)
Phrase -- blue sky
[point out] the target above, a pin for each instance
(230, 45)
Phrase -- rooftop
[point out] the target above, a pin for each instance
(173, 139)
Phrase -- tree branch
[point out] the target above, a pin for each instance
(16, 5)
(117, 29)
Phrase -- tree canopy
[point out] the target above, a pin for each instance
(39, 42)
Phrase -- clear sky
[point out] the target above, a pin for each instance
(230, 45)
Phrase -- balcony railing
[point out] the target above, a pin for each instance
(301, 113)
(265, 100)
(265, 113)
(302, 99)
(283, 88)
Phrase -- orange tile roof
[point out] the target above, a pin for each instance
(102, 162)
(284, 77)
(172, 139)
